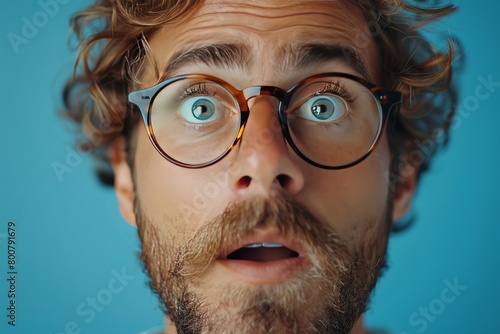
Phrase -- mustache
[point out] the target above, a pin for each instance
(289, 218)
(338, 281)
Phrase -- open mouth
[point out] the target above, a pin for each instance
(263, 252)
(265, 257)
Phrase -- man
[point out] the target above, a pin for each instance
(264, 149)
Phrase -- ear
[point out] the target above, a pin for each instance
(124, 185)
(405, 190)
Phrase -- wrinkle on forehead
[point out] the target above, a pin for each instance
(269, 27)
(270, 16)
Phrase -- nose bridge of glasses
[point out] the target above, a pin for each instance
(253, 92)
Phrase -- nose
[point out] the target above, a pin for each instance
(264, 163)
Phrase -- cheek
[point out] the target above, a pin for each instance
(160, 185)
(354, 199)
(173, 195)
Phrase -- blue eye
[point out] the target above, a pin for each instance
(201, 109)
(323, 108)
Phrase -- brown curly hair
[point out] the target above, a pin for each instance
(112, 41)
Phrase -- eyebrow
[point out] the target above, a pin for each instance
(310, 54)
(220, 55)
(238, 55)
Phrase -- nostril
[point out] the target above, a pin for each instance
(244, 182)
(284, 180)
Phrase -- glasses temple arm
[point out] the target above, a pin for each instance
(141, 99)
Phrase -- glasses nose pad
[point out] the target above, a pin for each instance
(256, 99)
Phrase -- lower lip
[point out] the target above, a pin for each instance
(266, 272)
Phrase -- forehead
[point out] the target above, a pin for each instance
(269, 29)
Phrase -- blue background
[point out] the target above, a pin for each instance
(71, 240)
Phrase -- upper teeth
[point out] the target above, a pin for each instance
(264, 244)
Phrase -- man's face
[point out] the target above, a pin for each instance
(195, 223)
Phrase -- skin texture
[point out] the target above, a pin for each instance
(177, 202)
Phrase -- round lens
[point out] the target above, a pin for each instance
(333, 121)
(194, 121)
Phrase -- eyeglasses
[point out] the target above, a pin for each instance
(331, 120)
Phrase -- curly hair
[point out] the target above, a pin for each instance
(112, 41)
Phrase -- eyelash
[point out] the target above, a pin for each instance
(337, 89)
(196, 89)
(330, 87)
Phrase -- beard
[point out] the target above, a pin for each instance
(327, 297)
